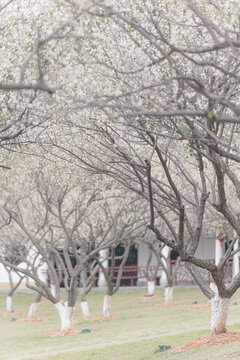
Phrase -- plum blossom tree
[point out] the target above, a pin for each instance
(122, 220)
(13, 255)
(162, 254)
(50, 219)
(158, 108)
(170, 131)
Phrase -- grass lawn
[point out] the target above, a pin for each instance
(135, 335)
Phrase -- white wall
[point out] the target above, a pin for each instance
(143, 255)
(206, 250)
(41, 271)
(4, 275)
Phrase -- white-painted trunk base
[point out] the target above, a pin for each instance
(85, 309)
(107, 306)
(168, 294)
(219, 312)
(151, 288)
(33, 310)
(9, 305)
(66, 315)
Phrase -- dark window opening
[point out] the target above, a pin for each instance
(174, 255)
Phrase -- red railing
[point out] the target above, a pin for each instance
(132, 274)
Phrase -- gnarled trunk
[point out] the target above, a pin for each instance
(85, 309)
(9, 305)
(219, 308)
(66, 315)
(168, 294)
(107, 306)
(151, 288)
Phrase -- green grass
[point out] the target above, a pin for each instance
(135, 335)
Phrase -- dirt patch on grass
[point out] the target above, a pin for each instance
(168, 304)
(33, 319)
(63, 333)
(13, 313)
(210, 340)
(105, 319)
(201, 306)
(146, 298)
(45, 302)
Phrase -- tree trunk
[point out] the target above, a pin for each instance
(33, 306)
(84, 305)
(107, 306)
(213, 287)
(168, 294)
(66, 315)
(219, 308)
(32, 310)
(151, 288)
(53, 290)
(9, 305)
(85, 309)
(103, 258)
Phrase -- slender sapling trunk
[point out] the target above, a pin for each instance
(107, 306)
(34, 306)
